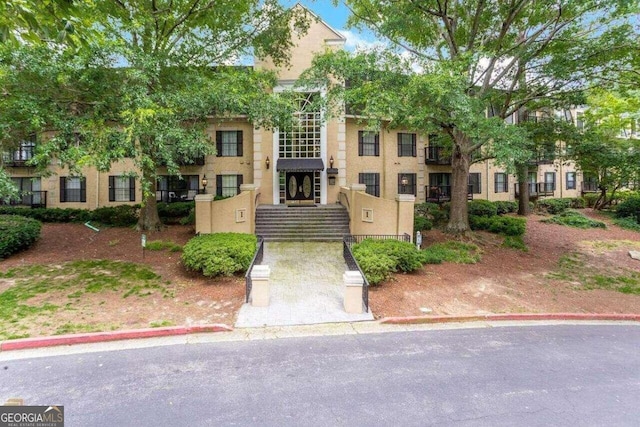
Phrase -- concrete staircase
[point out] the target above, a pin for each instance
(322, 223)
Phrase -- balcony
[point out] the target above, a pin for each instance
(537, 189)
(442, 193)
(171, 196)
(434, 155)
(31, 199)
(17, 159)
(590, 187)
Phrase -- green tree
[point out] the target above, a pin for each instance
(608, 150)
(147, 87)
(465, 57)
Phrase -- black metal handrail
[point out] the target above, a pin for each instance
(351, 262)
(434, 154)
(537, 188)
(357, 238)
(170, 196)
(257, 259)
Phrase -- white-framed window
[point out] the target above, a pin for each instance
(406, 145)
(73, 189)
(372, 181)
(228, 185)
(571, 180)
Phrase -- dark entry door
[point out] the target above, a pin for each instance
(300, 186)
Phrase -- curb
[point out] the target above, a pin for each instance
(505, 317)
(95, 337)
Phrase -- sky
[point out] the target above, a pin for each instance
(336, 17)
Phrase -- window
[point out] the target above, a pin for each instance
(549, 182)
(228, 185)
(122, 189)
(29, 190)
(372, 181)
(475, 186)
(500, 182)
(73, 189)
(229, 143)
(406, 145)
(304, 139)
(580, 121)
(172, 188)
(439, 186)
(571, 180)
(368, 143)
(407, 183)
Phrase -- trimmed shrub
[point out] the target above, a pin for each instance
(578, 203)
(507, 225)
(376, 254)
(421, 223)
(50, 214)
(17, 233)
(630, 208)
(118, 216)
(432, 212)
(175, 211)
(189, 219)
(505, 207)
(627, 223)
(220, 254)
(482, 208)
(553, 206)
(574, 219)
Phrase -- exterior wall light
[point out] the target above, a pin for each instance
(267, 162)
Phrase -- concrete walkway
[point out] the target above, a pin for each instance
(306, 286)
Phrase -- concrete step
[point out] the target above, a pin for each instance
(322, 223)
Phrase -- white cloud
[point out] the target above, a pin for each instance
(358, 42)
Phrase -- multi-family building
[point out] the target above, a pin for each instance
(307, 164)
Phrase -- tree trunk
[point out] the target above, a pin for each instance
(601, 200)
(523, 189)
(458, 215)
(149, 219)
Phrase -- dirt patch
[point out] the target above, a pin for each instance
(504, 281)
(511, 281)
(194, 299)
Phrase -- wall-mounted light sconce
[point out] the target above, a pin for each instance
(204, 183)
(332, 180)
(331, 162)
(267, 162)
(404, 181)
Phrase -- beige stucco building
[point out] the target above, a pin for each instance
(309, 164)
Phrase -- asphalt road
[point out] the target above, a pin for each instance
(540, 375)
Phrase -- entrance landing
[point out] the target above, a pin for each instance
(306, 286)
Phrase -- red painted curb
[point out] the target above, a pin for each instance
(501, 317)
(94, 337)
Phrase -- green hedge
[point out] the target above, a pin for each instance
(505, 207)
(433, 212)
(118, 216)
(630, 208)
(553, 206)
(507, 225)
(379, 258)
(17, 233)
(220, 254)
(49, 214)
(175, 210)
(482, 208)
(421, 223)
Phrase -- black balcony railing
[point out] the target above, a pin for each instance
(442, 193)
(590, 187)
(434, 155)
(170, 196)
(32, 199)
(537, 189)
(73, 195)
(17, 158)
